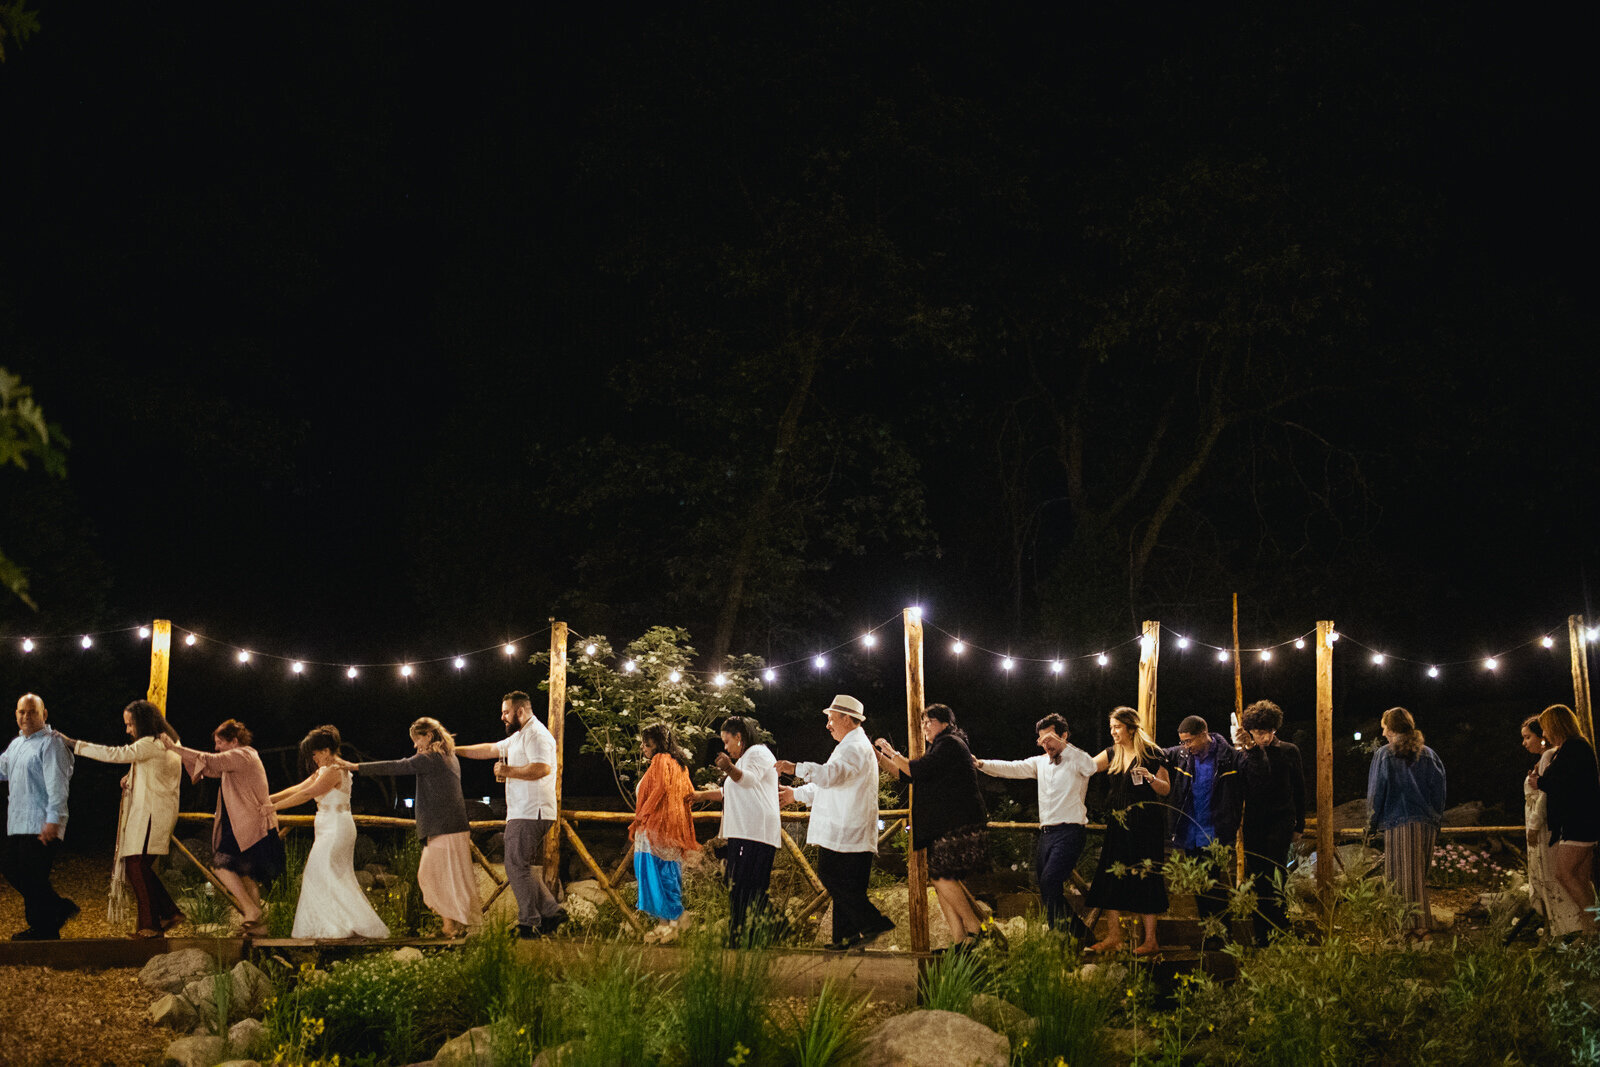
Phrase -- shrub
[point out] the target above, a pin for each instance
(1041, 976)
(949, 982)
(830, 1029)
(615, 1008)
(722, 1000)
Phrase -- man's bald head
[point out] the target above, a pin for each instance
(31, 713)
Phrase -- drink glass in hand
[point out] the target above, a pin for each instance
(499, 770)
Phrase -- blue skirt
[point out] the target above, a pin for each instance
(660, 885)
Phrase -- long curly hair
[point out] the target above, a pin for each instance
(1408, 744)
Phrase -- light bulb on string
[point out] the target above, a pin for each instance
(190, 640)
(460, 663)
(674, 677)
(297, 667)
(916, 612)
(591, 649)
(1057, 667)
(1358, 735)
(144, 632)
(1433, 672)
(720, 680)
(958, 647)
(1592, 633)
(1103, 659)
(405, 670)
(1490, 664)
(1333, 636)
(1377, 658)
(869, 639)
(769, 676)
(510, 649)
(1266, 655)
(1183, 642)
(629, 667)
(87, 642)
(1222, 655)
(1007, 663)
(244, 656)
(1300, 642)
(1548, 642)
(820, 662)
(351, 673)
(27, 644)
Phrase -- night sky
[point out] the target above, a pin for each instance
(383, 332)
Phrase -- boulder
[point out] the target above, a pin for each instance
(560, 1055)
(1001, 1016)
(247, 1036)
(366, 850)
(251, 987)
(408, 954)
(1351, 815)
(197, 1051)
(1127, 1044)
(933, 1039)
(1468, 814)
(1354, 860)
(171, 971)
(589, 890)
(366, 879)
(386, 881)
(475, 1048)
(171, 1010)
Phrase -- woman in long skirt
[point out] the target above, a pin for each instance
(446, 877)
(1550, 897)
(148, 813)
(245, 847)
(1572, 786)
(1405, 792)
(662, 829)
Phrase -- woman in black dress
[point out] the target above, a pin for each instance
(1136, 832)
(948, 817)
(1572, 788)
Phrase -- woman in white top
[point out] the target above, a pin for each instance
(749, 795)
(1550, 897)
(332, 904)
(144, 824)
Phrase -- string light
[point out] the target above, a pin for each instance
(1491, 663)
(1358, 735)
(629, 667)
(769, 676)
(405, 670)
(1592, 633)
(297, 667)
(1548, 642)
(1007, 663)
(1333, 636)
(1102, 659)
(674, 677)
(511, 650)
(190, 640)
(1300, 642)
(144, 632)
(27, 644)
(460, 663)
(88, 642)
(1377, 657)
(1183, 642)
(916, 612)
(959, 647)
(1266, 654)
(244, 656)
(590, 649)
(1057, 667)
(1433, 672)
(720, 680)
(1222, 655)
(869, 639)
(351, 673)
(820, 662)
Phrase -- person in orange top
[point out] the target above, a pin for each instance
(662, 830)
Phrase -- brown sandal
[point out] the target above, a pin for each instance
(145, 932)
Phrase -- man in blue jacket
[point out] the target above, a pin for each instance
(1207, 799)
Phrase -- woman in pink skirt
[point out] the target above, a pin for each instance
(449, 884)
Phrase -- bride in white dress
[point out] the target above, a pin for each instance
(332, 904)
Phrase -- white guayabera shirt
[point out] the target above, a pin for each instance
(843, 796)
(750, 805)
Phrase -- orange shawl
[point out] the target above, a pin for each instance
(662, 806)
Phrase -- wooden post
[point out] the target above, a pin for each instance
(916, 862)
(1149, 657)
(1238, 668)
(555, 721)
(160, 662)
(1581, 702)
(1325, 856)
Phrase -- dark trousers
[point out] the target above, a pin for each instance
(1060, 845)
(156, 909)
(26, 866)
(749, 874)
(1264, 853)
(1213, 901)
(844, 875)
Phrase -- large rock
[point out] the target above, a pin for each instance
(240, 1063)
(1001, 1016)
(197, 1051)
(1351, 815)
(1468, 814)
(933, 1039)
(247, 1037)
(560, 1055)
(171, 971)
(475, 1048)
(366, 879)
(248, 988)
(251, 987)
(171, 1010)
(589, 890)
(386, 881)
(408, 954)
(1354, 860)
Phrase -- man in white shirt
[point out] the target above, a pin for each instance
(749, 795)
(525, 761)
(1063, 774)
(843, 797)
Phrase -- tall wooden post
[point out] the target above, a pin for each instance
(1238, 668)
(160, 662)
(916, 862)
(1580, 676)
(1325, 860)
(1149, 657)
(555, 720)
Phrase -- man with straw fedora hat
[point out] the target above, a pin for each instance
(843, 797)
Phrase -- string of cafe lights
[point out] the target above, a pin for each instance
(817, 662)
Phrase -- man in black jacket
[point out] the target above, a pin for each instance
(1274, 811)
(1206, 800)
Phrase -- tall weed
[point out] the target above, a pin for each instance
(722, 1000)
(1071, 1011)
(615, 1009)
(283, 894)
(829, 1030)
(949, 982)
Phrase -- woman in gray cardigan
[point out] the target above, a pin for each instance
(446, 877)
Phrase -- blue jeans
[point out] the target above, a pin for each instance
(1060, 845)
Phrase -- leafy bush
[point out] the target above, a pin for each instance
(949, 982)
(1041, 975)
(614, 1008)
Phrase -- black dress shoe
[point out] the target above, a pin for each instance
(839, 945)
(31, 934)
(550, 923)
(69, 909)
(528, 933)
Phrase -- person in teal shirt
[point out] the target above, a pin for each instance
(38, 764)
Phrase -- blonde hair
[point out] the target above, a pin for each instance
(1560, 723)
(1122, 760)
(1409, 744)
(442, 740)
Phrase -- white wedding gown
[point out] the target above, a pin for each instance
(332, 904)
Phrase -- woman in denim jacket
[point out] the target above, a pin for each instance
(1405, 792)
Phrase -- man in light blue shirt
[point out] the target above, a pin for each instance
(38, 764)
